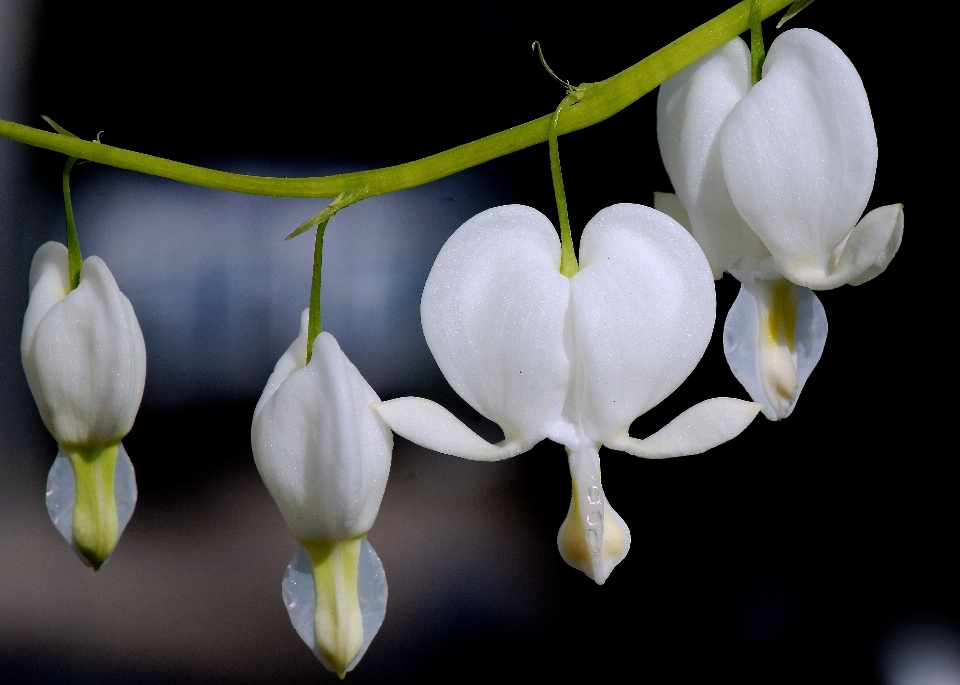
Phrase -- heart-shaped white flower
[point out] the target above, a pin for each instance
(771, 181)
(574, 359)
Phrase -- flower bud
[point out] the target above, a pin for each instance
(85, 362)
(324, 455)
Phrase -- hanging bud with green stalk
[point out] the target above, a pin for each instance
(85, 361)
(324, 456)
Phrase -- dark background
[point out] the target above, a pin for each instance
(812, 550)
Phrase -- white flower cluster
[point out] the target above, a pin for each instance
(771, 181)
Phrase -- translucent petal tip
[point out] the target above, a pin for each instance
(61, 499)
(300, 598)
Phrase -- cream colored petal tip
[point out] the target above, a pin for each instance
(698, 429)
(299, 596)
(430, 425)
(748, 356)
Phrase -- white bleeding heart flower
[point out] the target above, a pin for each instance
(85, 362)
(772, 182)
(324, 456)
(574, 359)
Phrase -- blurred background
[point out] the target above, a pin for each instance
(814, 550)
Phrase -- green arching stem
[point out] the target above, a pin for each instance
(74, 258)
(568, 257)
(757, 53)
(604, 100)
(314, 323)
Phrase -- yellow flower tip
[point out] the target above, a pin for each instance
(338, 622)
(573, 541)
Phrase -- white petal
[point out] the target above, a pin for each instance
(493, 313)
(291, 361)
(83, 352)
(698, 429)
(593, 538)
(322, 452)
(691, 107)
(745, 351)
(800, 152)
(871, 245)
(300, 598)
(643, 311)
(430, 425)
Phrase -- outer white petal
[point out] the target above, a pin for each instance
(745, 351)
(691, 107)
(322, 452)
(698, 429)
(493, 313)
(83, 352)
(800, 153)
(642, 314)
(871, 245)
(430, 425)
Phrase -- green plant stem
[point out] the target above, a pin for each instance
(757, 53)
(605, 99)
(74, 257)
(314, 322)
(568, 257)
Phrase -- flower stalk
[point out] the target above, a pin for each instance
(568, 256)
(315, 323)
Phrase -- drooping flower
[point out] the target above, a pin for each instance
(324, 455)
(575, 360)
(771, 181)
(85, 362)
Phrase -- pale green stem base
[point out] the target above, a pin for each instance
(96, 527)
(338, 622)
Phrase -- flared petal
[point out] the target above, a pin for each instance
(322, 452)
(429, 425)
(868, 249)
(643, 307)
(493, 312)
(698, 429)
(691, 108)
(593, 538)
(773, 337)
(799, 153)
(83, 352)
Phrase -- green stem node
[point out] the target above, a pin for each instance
(338, 622)
(96, 527)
